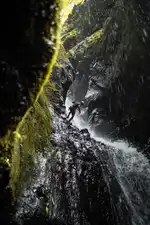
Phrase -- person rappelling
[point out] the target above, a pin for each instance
(72, 110)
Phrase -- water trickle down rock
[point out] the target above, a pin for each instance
(76, 180)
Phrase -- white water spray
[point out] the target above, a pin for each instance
(81, 124)
(132, 171)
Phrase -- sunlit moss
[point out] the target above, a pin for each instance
(71, 34)
(87, 46)
(56, 47)
(51, 38)
(34, 127)
(30, 138)
(62, 56)
(5, 161)
(31, 131)
(68, 7)
(94, 37)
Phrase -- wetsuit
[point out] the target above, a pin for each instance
(73, 109)
(93, 118)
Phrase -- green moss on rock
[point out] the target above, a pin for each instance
(87, 47)
(72, 34)
(26, 59)
(30, 138)
(62, 57)
(29, 43)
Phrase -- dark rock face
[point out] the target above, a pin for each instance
(25, 55)
(79, 87)
(62, 78)
(5, 195)
(74, 183)
(86, 19)
(117, 60)
(130, 71)
(27, 46)
(125, 56)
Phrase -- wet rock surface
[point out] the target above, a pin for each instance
(87, 23)
(114, 55)
(6, 208)
(73, 183)
(76, 180)
(25, 58)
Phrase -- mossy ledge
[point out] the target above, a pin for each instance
(87, 46)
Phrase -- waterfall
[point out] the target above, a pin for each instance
(131, 169)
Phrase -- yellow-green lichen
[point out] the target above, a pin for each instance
(27, 133)
(72, 34)
(28, 60)
(49, 45)
(88, 46)
(56, 37)
(34, 127)
(62, 56)
(30, 138)
(68, 7)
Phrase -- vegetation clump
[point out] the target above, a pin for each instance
(31, 138)
(87, 47)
